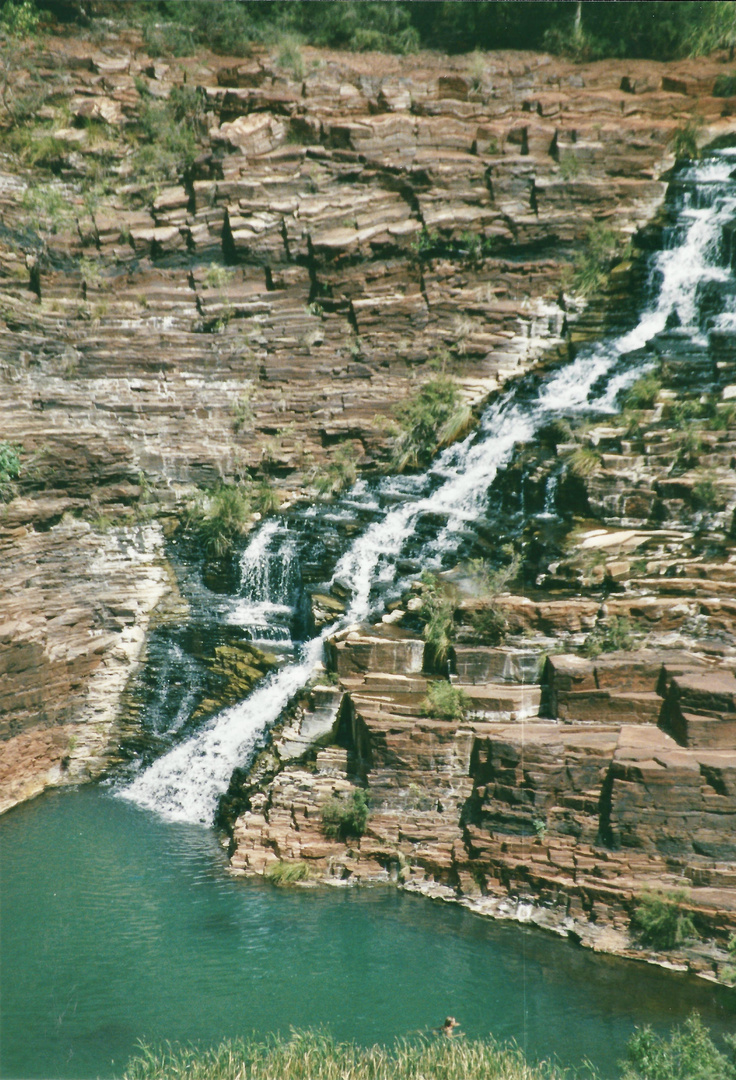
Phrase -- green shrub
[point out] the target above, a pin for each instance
(446, 701)
(287, 873)
(167, 39)
(434, 417)
(22, 87)
(490, 580)
(343, 818)
(688, 1054)
(706, 496)
(264, 497)
(489, 625)
(216, 521)
(47, 208)
(426, 244)
(569, 167)
(36, 149)
(611, 636)
(217, 277)
(724, 417)
(168, 134)
(660, 922)
(385, 27)
(10, 469)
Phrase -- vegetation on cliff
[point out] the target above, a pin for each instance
(585, 31)
(688, 1054)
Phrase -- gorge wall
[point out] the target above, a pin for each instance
(342, 233)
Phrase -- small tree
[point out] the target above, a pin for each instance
(659, 920)
(689, 1054)
(20, 93)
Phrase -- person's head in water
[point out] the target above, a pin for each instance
(448, 1026)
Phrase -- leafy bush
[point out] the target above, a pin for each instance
(490, 580)
(360, 26)
(225, 27)
(446, 701)
(342, 818)
(242, 412)
(434, 417)
(167, 39)
(659, 920)
(10, 469)
(489, 624)
(264, 497)
(22, 89)
(689, 1054)
(724, 417)
(287, 873)
(36, 149)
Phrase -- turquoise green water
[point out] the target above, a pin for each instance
(117, 926)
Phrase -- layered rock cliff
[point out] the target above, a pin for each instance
(336, 239)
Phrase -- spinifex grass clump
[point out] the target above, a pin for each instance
(287, 873)
(217, 520)
(434, 417)
(437, 612)
(317, 1056)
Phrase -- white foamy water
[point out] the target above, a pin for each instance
(186, 783)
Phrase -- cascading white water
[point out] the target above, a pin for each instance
(268, 573)
(186, 783)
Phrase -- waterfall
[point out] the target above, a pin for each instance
(186, 782)
(269, 584)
